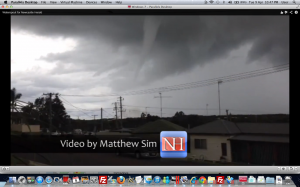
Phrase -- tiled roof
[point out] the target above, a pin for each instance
(261, 138)
(218, 126)
(158, 126)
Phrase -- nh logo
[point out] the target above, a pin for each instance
(173, 144)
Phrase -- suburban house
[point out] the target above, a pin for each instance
(250, 143)
(20, 122)
(151, 130)
(261, 143)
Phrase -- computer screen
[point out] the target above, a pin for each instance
(165, 86)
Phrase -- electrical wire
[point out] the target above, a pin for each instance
(67, 102)
(202, 83)
(171, 108)
(178, 108)
(108, 113)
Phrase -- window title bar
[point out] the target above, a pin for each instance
(150, 3)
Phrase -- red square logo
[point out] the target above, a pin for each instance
(220, 179)
(173, 143)
(129, 6)
(66, 179)
(243, 178)
(102, 179)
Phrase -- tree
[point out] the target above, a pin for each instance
(179, 114)
(28, 109)
(143, 115)
(13, 98)
(152, 118)
(58, 112)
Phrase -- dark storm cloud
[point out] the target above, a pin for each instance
(136, 50)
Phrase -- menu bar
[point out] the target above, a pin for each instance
(282, 10)
(151, 3)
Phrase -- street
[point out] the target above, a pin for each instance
(99, 159)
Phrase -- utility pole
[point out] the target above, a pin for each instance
(95, 126)
(50, 111)
(227, 114)
(101, 119)
(94, 116)
(207, 109)
(121, 110)
(219, 82)
(116, 109)
(161, 102)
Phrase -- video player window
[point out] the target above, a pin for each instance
(150, 90)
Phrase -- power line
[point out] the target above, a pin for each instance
(213, 81)
(77, 107)
(74, 106)
(178, 108)
(202, 83)
(89, 109)
(168, 108)
(172, 114)
(109, 113)
(175, 108)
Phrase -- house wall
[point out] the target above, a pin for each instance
(24, 128)
(260, 153)
(214, 148)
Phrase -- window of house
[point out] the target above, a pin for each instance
(200, 144)
(224, 149)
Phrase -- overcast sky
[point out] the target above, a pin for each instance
(94, 55)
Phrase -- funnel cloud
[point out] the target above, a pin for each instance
(123, 53)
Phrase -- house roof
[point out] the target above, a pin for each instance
(158, 126)
(264, 128)
(260, 138)
(221, 126)
(121, 130)
(218, 126)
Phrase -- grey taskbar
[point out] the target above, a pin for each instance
(150, 169)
